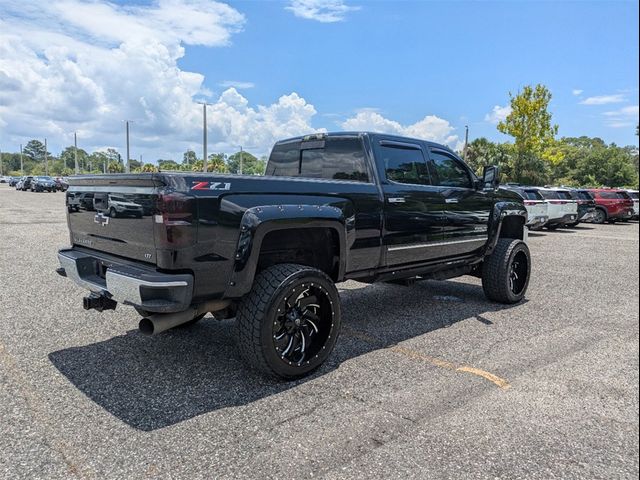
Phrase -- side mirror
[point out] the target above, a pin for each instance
(491, 177)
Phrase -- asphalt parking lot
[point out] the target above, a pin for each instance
(427, 381)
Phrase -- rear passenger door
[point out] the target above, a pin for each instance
(412, 212)
(466, 208)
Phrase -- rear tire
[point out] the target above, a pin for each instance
(289, 322)
(506, 272)
(600, 216)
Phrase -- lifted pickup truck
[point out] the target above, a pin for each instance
(269, 249)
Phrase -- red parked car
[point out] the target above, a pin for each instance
(611, 205)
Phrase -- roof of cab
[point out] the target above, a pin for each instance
(321, 135)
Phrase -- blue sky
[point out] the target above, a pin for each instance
(279, 68)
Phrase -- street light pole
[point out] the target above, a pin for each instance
(21, 163)
(466, 142)
(204, 135)
(0, 162)
(127, 167)
(46, 160)
(241, 159)
(75, 152)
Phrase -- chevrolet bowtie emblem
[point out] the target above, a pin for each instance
(101, 218)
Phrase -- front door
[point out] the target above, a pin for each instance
(466, 208)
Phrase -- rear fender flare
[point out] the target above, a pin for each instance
(257, 222)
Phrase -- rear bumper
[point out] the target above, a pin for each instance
(137, 285)
(536, 221)
(568, 218)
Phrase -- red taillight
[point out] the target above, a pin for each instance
(174, 216)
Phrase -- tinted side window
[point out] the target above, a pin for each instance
(405, 165)
(284, 160)
(564, 195)
(532, 195)
(608, 195)
(451, 173)
(549, 194)
(340, 159)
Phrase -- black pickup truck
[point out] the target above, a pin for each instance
(269, 249)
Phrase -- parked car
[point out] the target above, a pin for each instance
(4, 179)
(584, 200)
(562, 210)
(13, 181)
(636, 207)
(73, 201)
(116, 205)
(611, 205)
(269, 249)
(61, 184)
(25, 183)
(537, 207)
(43, 183)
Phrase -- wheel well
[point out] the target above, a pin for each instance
(600, 207)
(316, 247)
(512, 227)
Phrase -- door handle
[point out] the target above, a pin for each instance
(396, 200)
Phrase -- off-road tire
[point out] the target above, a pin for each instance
(257, 316)
(497, 269)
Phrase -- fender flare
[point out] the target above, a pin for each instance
(502, 210)
(257, 222)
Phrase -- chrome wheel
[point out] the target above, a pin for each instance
(303, 324)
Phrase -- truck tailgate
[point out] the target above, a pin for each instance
(114, 214)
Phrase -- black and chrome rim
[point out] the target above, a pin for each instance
(303, 324)
(518, 273)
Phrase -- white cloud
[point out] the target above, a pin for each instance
(623, 117)
(430, 127)
(236, 84)
(604, 99)
(72, 65)
(577, 91)
(497, 114)
(325, 11)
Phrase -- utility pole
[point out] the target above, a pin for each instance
(21, 163)
(466, 142)
(241, 159)
(75, 152)
(204, 135)
(46, 160)
(127, 165)
(0, 162)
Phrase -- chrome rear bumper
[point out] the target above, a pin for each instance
(135, 285)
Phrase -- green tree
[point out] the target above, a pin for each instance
(250, 164)
(98, 161)
(68, 157)
(168, 165)
(189, 158)
(529, 123)
(35, 150)
(115, 167)
(217, 163)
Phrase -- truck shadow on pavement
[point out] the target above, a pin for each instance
(151, 383)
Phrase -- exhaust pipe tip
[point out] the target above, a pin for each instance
(146, 327)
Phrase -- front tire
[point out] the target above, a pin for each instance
(113, 213)
(289, 322)
(506, 272)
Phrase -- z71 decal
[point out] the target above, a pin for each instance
(211, 186)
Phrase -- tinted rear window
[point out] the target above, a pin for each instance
(549, 194)
(532, 195)
(333, 159)
(623, 195)
(608, 195)
(405, 165)
(584, 196)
